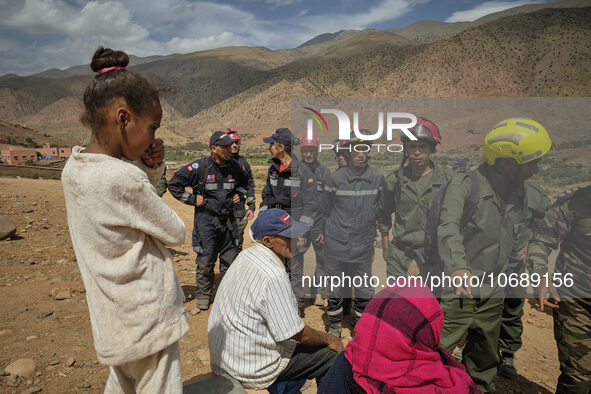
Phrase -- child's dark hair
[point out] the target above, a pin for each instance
(137, 92)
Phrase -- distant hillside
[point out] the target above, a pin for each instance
(18, 135)
(542, 53)
(545, 53)
(328, 37)
(85, 69)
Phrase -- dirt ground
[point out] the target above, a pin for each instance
(56, 334)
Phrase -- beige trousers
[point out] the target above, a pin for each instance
(158, 373)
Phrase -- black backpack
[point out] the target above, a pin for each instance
(432, 261)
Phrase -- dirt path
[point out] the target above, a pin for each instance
(41, 261)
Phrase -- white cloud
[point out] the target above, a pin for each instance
(108, 19)
(186, 45)
(486, 8)
(40, 34)
(281, 3)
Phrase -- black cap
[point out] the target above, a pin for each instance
(220, 138)
(283, 136)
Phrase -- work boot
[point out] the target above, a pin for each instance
(508, 367)
(335, 329)
(319, 301)
(203, 303)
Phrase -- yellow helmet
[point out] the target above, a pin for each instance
(517, 138)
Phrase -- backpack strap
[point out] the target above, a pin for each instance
(470, 208)
(203, 170)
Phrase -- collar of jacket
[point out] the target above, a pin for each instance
(215, 163)
(352, 177)
(486, 189)
(293, 165)
(437, 172)
(313, 166)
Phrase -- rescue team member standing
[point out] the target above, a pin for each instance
(484, 244)
(349, 202)
(511, 324)
(568, 224)
(246, 195)
(254, 329)
(408, 192)
(215, 181)
(290, 186)
(309, 150)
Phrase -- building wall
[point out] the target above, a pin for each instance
(18, 156)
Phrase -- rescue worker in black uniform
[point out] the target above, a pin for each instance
(247, 196)
(309, 150)
(290, 186)
(215, 181)
(350, 201)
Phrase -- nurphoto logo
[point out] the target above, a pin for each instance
(402, 121)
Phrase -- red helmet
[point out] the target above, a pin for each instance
(309, 142)
(424, 130)
(233, 134)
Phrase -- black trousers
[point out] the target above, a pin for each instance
(308, 362)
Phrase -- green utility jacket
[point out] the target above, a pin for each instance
(537, 204)
(484, 245)
(569, 221)
(400, 195)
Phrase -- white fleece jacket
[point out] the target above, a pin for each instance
(118, 226)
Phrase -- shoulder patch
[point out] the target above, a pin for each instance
(190, 168)
(195, 165)
(564, 196)
(310, 180)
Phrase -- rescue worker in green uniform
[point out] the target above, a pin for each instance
(568, 224)
(481, 248)
(511, 324)
(408, 192)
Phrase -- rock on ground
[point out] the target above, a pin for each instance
(21, 367)
(7, 228)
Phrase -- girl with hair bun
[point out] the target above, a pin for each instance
(119, 227)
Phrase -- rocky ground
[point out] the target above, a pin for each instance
(44, 316)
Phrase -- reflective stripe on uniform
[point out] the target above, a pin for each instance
(229, 185)
(356, 193)
(335, 313)
(292, 183)
(307, 220)
(273, 182)
(211, 186)
(185, 197)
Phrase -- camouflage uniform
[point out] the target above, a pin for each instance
(482, 246)
(402, 195)
(569, 222)
(511, 324)
(162, 184)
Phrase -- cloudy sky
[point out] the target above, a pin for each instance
(39, 34)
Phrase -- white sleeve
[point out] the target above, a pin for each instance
(279, 307)
(150, 214)
(154, 174)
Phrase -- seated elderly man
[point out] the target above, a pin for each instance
(255, 333)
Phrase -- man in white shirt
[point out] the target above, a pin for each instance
(255, 333)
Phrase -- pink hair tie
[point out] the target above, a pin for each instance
(107, 69)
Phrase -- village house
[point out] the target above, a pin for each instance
(19, 155)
